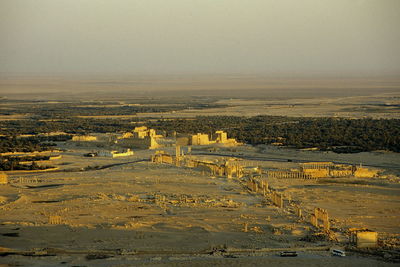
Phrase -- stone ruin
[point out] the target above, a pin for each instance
(320, 215)
(221, 137)
(363, 238)
(55, 219)
(230, 167)
(277, 199)
(162, 157)
(313, 170)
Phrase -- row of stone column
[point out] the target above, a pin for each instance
(320, 215)
(258, 186)
(287, 175)
(55, 219)
(262, 187)
(277, 199)
(23, 180)
(316, 165)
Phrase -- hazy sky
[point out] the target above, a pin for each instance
(200, 36)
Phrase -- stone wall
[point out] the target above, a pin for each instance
(162, 157)
(365, 173)
(84, 138)
(199, 139)
(364, 238)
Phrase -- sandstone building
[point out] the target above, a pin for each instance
(116, 154)
(141, 137)
(221, 137)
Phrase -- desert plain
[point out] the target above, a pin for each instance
(130, 211)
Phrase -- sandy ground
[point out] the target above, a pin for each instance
(378, 106)
(133, 212)
(141, 213)
(243, 95)
(383, 106)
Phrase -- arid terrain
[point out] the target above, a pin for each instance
(199, 133)
(237, 95)
(138, 212)
(130, 211)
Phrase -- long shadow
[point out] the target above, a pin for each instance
(96, 168)
(122, 163)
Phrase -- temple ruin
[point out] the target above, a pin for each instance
(140, 137)
(143, 132)
(221, 137)
(199, 140)
(143, 137)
